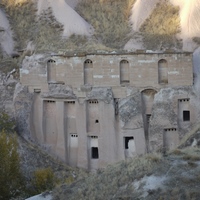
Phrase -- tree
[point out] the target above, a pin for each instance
(11, 181)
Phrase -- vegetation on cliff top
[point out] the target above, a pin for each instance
(110, 19)
(160, 29)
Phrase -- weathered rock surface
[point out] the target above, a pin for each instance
(23, 108)
(165, 115)
(103, 94)
(59, 91)
(130, 107)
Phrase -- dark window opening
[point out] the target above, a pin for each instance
(49, 101)
(116, 101)
(127, 140)
(186, 115)
(51, 61)
(148, 118)
(93, 102)
(170, 129)
(70, 102)
(95, 152)
(183, 100)
(96, 121)
(88, 62)
(74, 135)
(94, 136)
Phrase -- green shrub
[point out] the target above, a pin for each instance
(43, 180)
(11, 181)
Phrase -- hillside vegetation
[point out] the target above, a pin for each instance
(27, 27)
(109, 19)
(149, 177)
(160, 29)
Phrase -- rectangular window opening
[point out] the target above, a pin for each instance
(186, 115)
(148, 118)
(127, 140)
(50, 101)
(73, 135)
(93, 101)
(116, 101)
(95, 152)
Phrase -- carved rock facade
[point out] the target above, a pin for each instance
(91, 110)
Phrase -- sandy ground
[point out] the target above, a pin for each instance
(72, 21)
(6, 41)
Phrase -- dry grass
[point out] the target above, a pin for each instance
(48, 33)
(105, 184)
(191, 157)
(7, 64)
(156, 157)
(191, 154)
(45, 31)
(116, 181)
(22, 19)
(109, 19)
(177, 152)
(160, 29)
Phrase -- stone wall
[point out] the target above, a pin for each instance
(140, 70)
(94, 110)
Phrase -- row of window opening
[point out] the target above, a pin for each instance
(95, 150)
(184, 100)
(124, 72)
(88, 61)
